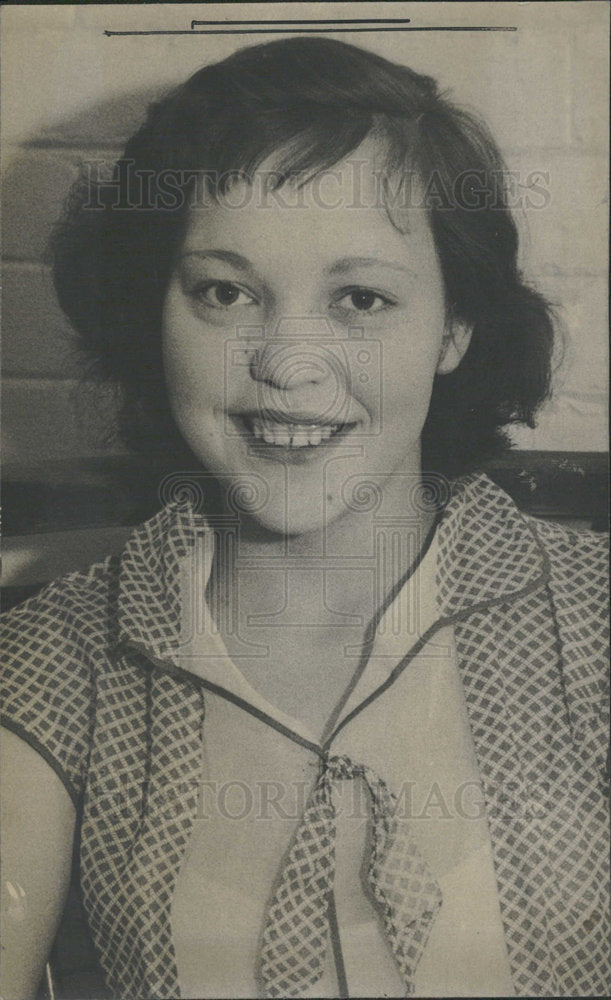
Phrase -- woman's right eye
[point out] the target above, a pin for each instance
(223, 295)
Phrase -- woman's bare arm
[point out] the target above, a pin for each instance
(38, 820)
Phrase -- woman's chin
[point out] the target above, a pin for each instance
(290, 522)
(282, 515)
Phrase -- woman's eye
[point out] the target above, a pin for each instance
(223, 294)
(363, 300)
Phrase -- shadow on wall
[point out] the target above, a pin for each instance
(53, 408)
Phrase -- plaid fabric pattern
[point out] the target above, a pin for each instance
(89, 679)
(552, 870)
(541, 735)
(137, 821)
(50, 645)
(296, 929)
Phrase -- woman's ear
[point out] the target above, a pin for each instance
(454, 346)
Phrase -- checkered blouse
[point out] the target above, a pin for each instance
(92, 682)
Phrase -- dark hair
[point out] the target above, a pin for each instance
(309, 102)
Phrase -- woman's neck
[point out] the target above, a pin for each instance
(340, 572)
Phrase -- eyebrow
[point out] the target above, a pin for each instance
(227, 256)
(347, 263)
(339, 267)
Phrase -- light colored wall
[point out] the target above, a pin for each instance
(70, 93)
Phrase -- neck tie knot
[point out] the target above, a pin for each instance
(340, 768)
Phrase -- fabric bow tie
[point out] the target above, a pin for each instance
(295, 936)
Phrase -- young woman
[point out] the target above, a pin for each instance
(331, 725)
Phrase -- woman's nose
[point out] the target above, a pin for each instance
(290, 365)
(304, 369)
(301, 351)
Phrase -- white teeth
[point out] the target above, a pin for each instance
(292, 435)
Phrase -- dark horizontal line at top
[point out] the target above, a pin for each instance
(324, 20)
(298, 31)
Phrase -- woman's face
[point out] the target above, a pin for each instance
(302, 332)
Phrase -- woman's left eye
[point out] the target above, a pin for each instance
(223, 295)
(363, 300)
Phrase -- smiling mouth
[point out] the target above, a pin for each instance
(290, 434)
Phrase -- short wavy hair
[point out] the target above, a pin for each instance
(307, 103)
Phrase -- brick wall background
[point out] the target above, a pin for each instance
(70, 93)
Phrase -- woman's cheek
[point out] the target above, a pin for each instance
(194, 366)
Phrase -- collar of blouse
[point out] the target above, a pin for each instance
(489, 554)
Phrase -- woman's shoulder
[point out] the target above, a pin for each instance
(52, 646)
(72, 609)
(567, 548)
(578, 555)
(578, 586)
(81, 612)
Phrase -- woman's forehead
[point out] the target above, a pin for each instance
(318, 236)
(343, 205)
(361, 177)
